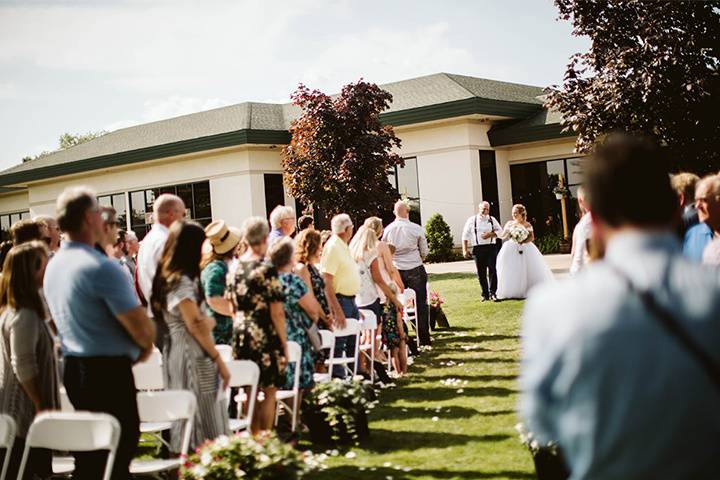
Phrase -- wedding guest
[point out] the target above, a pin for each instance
(307, 253)
(411, 248)
(27, 230)
(109, 232)
(325, 236)
(220, 248)
(282, 221)
(579, 253)
(4, 250)
(131, 250)
(166, 210)
(53, 230)
(479, 237)
(191, 361)
(707, 202)
(28, 381)
(684, 184)
(260, 336)
(102, 327)
(301, 311)
(305, 222)
(600, 366)
(342, 283)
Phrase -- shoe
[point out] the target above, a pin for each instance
(494, 298)
(484, 299)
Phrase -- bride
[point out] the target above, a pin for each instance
(520, 265)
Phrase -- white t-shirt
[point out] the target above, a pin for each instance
(368, 292)
(581, 235)
(151, 249)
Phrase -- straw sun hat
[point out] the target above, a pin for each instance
(221, 238)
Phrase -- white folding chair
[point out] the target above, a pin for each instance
(327, 340)
(75, 432)
(352, 328)
(149, 376)
(409, 301)
(243, 373)
(7, 439)
(369, 323)
(284, 396)
(160, 407)
(225, 351)
(65, 403)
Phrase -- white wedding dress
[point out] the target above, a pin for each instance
(519, 268)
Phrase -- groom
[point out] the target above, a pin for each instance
(479, 237)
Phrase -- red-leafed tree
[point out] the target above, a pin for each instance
(340, 154)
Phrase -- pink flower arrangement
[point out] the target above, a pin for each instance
(435, 300)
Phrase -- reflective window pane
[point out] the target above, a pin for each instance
(15, 217)
(25, 216)
(137, 208)
(104, 201)
(575, 171)
(201, 195)
(118, 201)
(185, 192)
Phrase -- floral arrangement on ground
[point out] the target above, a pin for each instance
(263, 457)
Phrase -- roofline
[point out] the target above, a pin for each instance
(457, 108)
(524, 134)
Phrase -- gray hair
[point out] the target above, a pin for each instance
(280, 213)
(711, 182)
(71, 206)
(483, 203)
(255, 230)
(132, 235)
(340, 223)
(165, 203)
(281, 252)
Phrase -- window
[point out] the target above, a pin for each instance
(7, 220)
(488, 180)
(274, 191)
(405, 180)
(195, 195)
(117, 201)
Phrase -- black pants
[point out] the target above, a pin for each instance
(105, 384)
(485, 257)
(39, 461)
(417, 280)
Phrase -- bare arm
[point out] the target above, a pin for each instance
(392, 270)
(277, 315)
(377, 278)
(221, 305)
(335, 307)
(139, 326)
(309, 303)
(312, 303)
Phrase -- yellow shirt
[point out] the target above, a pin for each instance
(336, 261)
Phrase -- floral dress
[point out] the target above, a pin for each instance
(390, 334)
(318, 286)
(253, 287)
(213, 279)
(294, 289)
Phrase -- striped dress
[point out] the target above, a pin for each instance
(188, 367)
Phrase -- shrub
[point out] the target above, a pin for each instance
(440, 240)
(549, 243)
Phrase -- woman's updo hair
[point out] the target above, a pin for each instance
(255, 231)
(519, 209)
(375, 224)
(281, 252)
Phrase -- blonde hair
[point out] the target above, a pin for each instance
(519, 209)
(365, 240)
(684, 183)
(376, 225)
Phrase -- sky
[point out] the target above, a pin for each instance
(88, 65)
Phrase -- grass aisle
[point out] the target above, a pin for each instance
(473, 435)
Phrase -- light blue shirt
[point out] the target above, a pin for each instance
(600, 376)
(85, 292)
(696, 239)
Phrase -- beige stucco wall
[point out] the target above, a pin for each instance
(13, 202)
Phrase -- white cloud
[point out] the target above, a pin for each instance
(173, 106)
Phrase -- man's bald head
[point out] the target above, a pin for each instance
(168, 208)
(401, 209)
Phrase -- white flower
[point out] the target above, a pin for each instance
(264, 458)
(534, 445)
(460, 390)
(206, 458)
(387, 464)
(198, 471)
(334, 452)
(222, 441)
(350, 455)
(434, 419)
(239, 473)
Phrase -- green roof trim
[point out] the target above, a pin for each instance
(457, 108)
(516, 134)
(229, 139)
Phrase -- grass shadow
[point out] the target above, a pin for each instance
(441, 393)
(354, 473)
(479, 360)
(402, 413)
(438, 277)
(385, 441)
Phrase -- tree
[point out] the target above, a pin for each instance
(440, 239)
(68, 140)
(652, 68)
(340, 154)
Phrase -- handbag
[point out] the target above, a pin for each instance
(313, 333)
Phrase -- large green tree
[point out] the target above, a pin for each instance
(652, 67)
(340, 154)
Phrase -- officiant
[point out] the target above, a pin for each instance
(479, 236)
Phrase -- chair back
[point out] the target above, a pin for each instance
(245, 373)
(327, 338)
(65, 403)
(7, 439)
(369, 321)
(169, 406)
(352, 327)
(155, 357)
(225, 351)
(295, 354)
(75, 432)
(409, 298)
(149, 376)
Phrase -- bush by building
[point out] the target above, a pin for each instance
(440, 240)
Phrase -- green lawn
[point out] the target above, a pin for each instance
(473, 436)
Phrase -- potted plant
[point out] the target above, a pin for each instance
(335, 412)
(548, 460)
(263, 457)
(437, 316)
(560, 191)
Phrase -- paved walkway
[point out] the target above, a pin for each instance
(559, 264)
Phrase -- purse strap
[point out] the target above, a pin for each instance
(674, 327)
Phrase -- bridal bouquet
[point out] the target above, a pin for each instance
(518, 233)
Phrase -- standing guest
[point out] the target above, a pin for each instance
(579, 253)
(220, 248)
(282, 221)
(102, 326)
(342, 283)
(191, 360)
(478, 238)
(119, 250)
(305, 222)
(410, 250)
(53, 230)
(131, 250)
(28, 381)
(707, 201)
(307, 253)
(5, 248)
(301, 311)
(109, 235)
(325, 236)
(256, 293)
(26, 230)
(684, 184)
(166, 209)
(600, 366)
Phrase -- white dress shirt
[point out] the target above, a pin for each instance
(409, 241)
(476, 226)
(151, 249)
(580, 237)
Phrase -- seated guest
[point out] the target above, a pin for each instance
(301, 311)
(305, 222)
(256, 292)
(220, 248)
(282, 221)
(191, 360)
(625, 395)
(28, 378)
(707, 201)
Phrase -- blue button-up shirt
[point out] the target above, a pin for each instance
(600, 375)
(697, 238)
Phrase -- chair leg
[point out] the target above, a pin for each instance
(295, 411)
